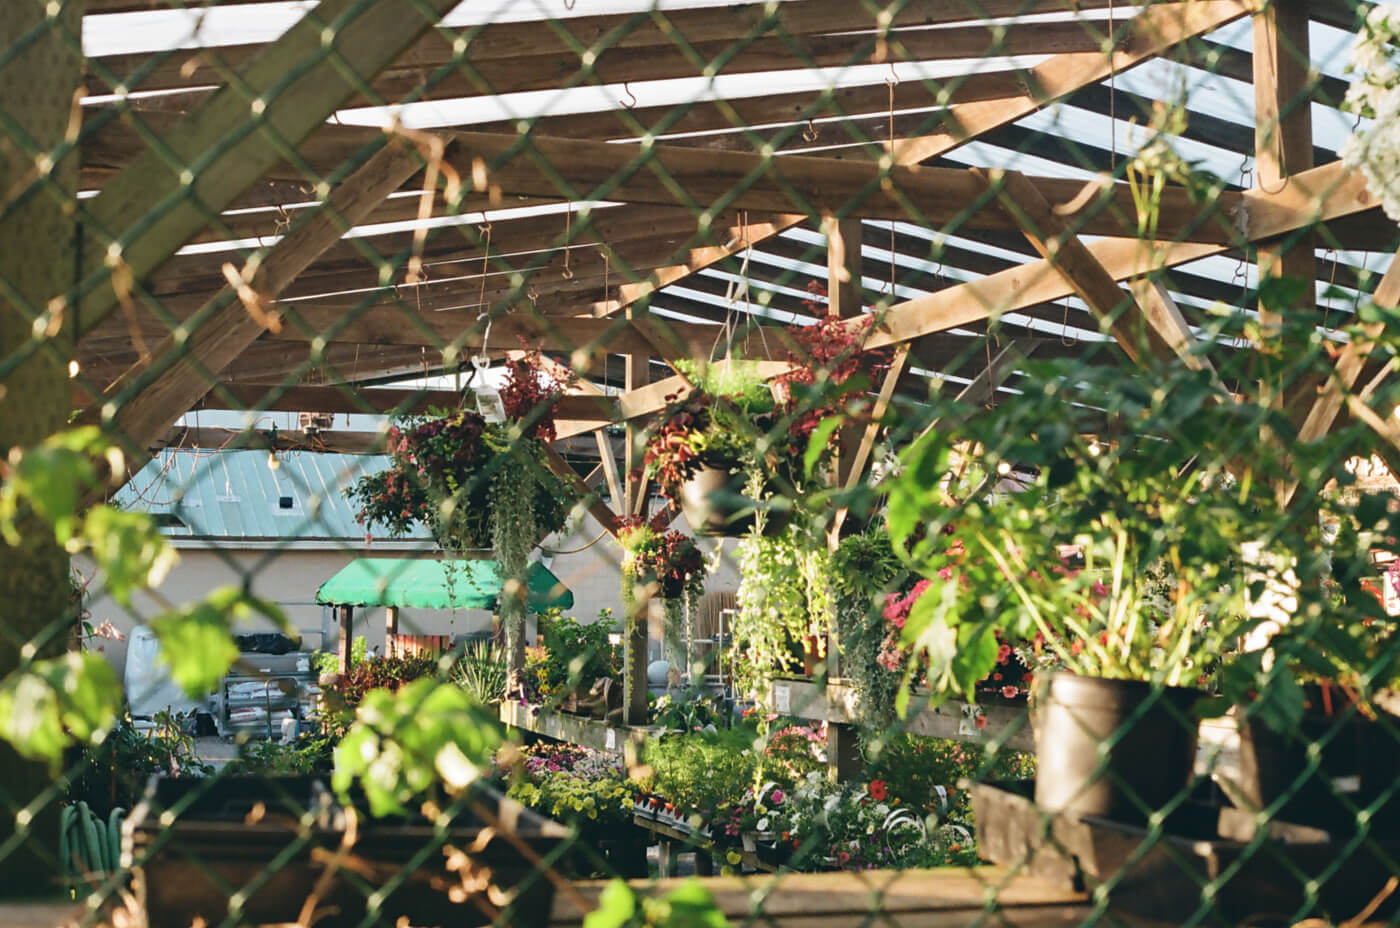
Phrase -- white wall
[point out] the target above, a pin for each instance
(289, 577)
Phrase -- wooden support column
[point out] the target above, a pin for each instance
(391, 629)
(634, 626)
(347, 638)
(843, 761)
(845, 297)
(1283, 144)
(634, 643)
(638, 375)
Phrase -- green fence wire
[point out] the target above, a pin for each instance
(971, 424)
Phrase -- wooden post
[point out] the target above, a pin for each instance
(1283, 144)
(634, 626)
(347, 638)
(845, 297)
(634, 638)
(842, 753)
(391, 629)
(37, 258)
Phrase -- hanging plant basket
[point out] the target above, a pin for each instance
(714, 504)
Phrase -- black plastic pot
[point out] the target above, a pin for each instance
(714, 505)
(194, 842)
(1151, 738)
(1358, 762)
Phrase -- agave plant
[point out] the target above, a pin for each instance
(482, 672)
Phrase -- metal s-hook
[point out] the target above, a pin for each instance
(568, 221)
(811, 134)
(626, 87)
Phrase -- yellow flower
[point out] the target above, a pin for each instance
(734, 857)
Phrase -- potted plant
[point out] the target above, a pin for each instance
(702, 450)
(576, 655)
(1317, 743)
(1118, 559)
(477, 484)
(671, 564)
(720, 451)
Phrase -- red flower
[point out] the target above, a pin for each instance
(878, 791)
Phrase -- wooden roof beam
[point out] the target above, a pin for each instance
(519, 57)
(304, 83)
(1158, 332)
(1054, 78)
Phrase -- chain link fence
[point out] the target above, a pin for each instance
(889, 463)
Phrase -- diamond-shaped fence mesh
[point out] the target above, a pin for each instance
(818, 462)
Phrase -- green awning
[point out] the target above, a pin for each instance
(433, 584)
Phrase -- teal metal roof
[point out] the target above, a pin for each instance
(235, 494)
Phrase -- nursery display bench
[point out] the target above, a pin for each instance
(575, 729)
(835, 702)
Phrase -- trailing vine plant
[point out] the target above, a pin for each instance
(475, 483)
(675, 565)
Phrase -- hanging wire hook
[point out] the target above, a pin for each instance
(811, 133)
(627, 88)
(1331, 283)
(568, 242)
(1064, 329)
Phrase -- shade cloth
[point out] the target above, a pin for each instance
(428, 583)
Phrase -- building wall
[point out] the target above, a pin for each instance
(587, 563)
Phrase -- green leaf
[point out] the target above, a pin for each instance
(691, 906)
(617, 905)
(58, 702)
(129, 550)
(196, 641)
(403, 744)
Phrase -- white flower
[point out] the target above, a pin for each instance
(763, 824)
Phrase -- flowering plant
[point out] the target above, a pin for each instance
(670, 558)
(860, 826)
(1375, 145)
(713, 426)
(569, 783)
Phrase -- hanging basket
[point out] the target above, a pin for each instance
(714, 504)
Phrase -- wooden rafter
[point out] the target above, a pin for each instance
(1055, 78)
(152, 395)
(1136, 332)
(303, 83)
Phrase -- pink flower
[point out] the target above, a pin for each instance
(1099, 589)
(843, 858)
(1009, 692)
(777, 797)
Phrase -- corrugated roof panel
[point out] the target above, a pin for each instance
(234, 494)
